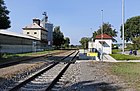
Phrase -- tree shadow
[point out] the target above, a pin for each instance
(93, 86)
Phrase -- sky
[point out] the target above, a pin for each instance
(77, 18)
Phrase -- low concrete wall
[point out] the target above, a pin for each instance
(17, 48)
(19, 44)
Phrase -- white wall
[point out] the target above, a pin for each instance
(40, 34)
(31, 33)
(107, 48)
(90, 46)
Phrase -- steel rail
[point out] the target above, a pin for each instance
(60, 74)
(21, 84)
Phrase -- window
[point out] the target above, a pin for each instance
(35, 32)
(27, 32)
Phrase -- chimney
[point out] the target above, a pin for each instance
(37, 21)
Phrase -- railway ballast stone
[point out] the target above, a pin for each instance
(89, 76)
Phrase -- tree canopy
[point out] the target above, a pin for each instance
(4, 19)
(107, 29)
(66, 42)
(131, 28)
(84, 42)
(58, 37)
(136, 42)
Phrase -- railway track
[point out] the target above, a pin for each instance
(46, 78)
(7, 64)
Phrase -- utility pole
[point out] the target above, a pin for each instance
(102, 35)
(123, 19)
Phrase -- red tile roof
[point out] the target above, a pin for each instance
(105, 36)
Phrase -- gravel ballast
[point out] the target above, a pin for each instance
(89, 76)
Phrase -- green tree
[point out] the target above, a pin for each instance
(107, 29)
(66, 42)
(94, 35)
(4, 19)
(131, 28)
(58, 37)
(84, 42)
(136, 42)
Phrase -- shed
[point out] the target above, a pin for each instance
(102, 40)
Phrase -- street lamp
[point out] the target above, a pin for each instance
(123, 26)
(102, 35)
(92, 35)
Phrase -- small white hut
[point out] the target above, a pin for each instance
(102, 42)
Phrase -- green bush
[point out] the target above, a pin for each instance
(130, 46)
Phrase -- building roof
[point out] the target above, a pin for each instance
(10, 33)
(105, 36)
(34, 26)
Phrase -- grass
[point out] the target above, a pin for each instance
(130, 72)
(124, 57)
(115, 51)
(118, 56)
(139, 50)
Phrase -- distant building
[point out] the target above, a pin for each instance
(49, 27)
(36, 37)
(37, 31)
(102, 40)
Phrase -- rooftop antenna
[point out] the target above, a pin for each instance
(44, 13)
(45, 19)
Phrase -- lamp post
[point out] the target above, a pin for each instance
(92, 35)
(123, 26)
(102, 36)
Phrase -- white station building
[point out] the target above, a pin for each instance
(102, 42)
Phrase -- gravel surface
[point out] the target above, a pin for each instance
(89, 76)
